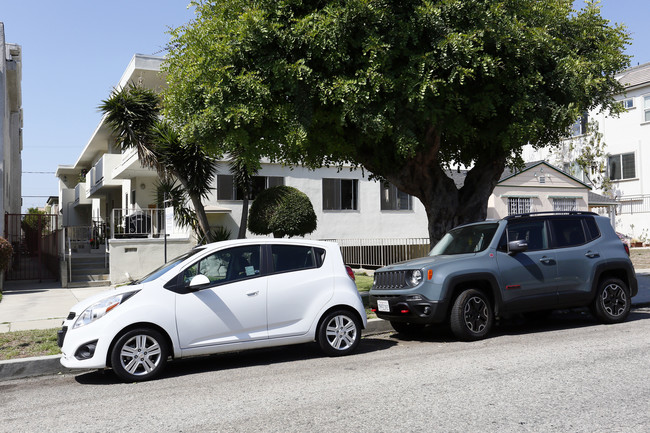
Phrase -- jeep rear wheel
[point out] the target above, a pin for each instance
(612, 303)
(471, 316)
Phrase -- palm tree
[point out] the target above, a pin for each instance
(243, 170)
(133, 113)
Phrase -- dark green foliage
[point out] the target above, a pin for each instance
(283, 211)
(6, 252)
(405, 89)
(133, 114)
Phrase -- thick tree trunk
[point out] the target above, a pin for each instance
(446, 204)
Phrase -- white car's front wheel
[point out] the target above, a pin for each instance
(140, 354)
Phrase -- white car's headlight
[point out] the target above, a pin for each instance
(100, 309)
(413, 278)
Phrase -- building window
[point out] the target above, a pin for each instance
(564, 204)
(394, 199)
(622, 166)
(517, 205)
(580, 126)
(340, 194)
(628, 103)
(646, 108)
(226, 189)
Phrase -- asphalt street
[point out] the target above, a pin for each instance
(567, 374)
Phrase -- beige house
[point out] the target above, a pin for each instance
(539, 187)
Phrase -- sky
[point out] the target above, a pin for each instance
(75, 51)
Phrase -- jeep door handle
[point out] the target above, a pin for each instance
(546, 260)
(251, 294)
(592, 254)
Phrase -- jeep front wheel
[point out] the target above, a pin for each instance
(471, 316)
(612, 303)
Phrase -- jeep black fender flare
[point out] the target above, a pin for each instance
(621, 269)
(477, 280)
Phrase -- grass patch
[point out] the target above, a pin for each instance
(364, 282)
(25, 344)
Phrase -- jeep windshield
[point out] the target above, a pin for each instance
(467, 239)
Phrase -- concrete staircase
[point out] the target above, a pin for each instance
(89, 270)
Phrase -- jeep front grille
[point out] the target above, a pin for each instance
(390, 280)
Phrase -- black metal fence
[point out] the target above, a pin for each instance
(35, 240)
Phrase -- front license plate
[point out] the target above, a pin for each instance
(383, 306)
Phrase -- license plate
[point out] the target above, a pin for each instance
(383, 306)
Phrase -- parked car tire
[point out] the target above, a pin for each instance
(612, 303)
(471, 316)
(339, 333)
(140, 354)
(407, 328)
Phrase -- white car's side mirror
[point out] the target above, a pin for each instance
(199, 280)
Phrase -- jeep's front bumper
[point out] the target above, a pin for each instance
(411, 308)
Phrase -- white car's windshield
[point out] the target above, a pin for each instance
(165, 267)
(463, 240)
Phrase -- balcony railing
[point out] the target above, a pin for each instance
(374, 253)
(137, 223)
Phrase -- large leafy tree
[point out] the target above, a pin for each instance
(133, 113)
(405, 89)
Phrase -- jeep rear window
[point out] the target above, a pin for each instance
(463, 240)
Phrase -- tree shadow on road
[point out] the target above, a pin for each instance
(522, 325)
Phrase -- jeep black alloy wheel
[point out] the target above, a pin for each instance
(471, 316)
(339, 333)
(139, 355)
(612, 303)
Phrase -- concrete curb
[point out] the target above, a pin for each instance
(30, 367)
(45, 365)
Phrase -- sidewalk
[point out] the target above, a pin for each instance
(32, 305)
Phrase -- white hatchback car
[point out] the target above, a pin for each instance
(226, 296)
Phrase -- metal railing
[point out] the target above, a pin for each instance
(632, 205)
(374, 253)
(138, 223)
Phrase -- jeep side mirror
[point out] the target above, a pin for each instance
(518, 246)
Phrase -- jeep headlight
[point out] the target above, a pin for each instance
(100, 308)
(413, 278)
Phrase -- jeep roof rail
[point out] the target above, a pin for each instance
(550, 212)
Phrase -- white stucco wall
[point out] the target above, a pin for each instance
(11, 123)
(367, 222)
(141, 257)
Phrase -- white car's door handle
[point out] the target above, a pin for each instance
(253, 293)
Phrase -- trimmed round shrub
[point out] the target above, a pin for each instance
(283, 211)
(6, 251)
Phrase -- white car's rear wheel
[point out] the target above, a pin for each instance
(339, 333)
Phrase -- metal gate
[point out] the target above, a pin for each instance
(34, 238)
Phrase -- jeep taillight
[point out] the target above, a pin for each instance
(627, 248)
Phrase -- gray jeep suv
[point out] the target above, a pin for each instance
(525, 263)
